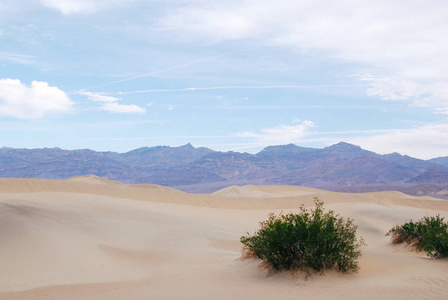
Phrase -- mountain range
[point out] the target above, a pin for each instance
(343, 167)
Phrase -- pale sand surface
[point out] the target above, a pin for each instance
(90, 238)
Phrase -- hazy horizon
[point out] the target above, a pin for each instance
(116, 75)
(194, 146)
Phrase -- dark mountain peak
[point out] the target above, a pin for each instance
(343, 146)
(284, 149)
(394, 154)
(288, 146)
(344, 150)
(187, 146)
(190, 147)
(167, 150)
(143, 150)
(399, 156)
(164, 156)
(218, 154)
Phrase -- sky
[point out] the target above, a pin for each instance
(116, 75)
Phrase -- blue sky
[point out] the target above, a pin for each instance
(115, 75)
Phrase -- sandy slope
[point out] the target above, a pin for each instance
(90, 238)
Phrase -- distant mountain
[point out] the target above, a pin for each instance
(430, 177)
(164, 156)
(55, 163)
(440, 161)
(414, 163)
(427, 189)
(152, 161)
(340, 166)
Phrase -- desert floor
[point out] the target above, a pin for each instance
(90, 238)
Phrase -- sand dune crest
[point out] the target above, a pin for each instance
(91, 238)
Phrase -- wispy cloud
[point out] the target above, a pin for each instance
(164, 70)
(402, 45)
(68, 7)
(279, 135)
(186, 137)
(421, 94)
(17, 58)
(110, 104)
(123, 108)
(20, 101)
(98, 97)
(427, 141)
(242, 87)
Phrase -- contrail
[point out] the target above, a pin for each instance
(163, 70)
(240, 87)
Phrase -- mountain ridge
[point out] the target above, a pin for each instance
(201, 169)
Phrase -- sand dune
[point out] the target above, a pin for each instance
(91, 238)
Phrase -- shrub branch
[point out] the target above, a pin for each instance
(309, 241)
(429, 234)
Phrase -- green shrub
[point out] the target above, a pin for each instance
(429, 234)
(310, 240)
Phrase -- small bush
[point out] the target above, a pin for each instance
(429, 234)
(310, 240)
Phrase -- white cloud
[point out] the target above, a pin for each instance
(98, 97)
(404, 45)
(423, 142)
(27, 102)
(114, 107)
(390, 88)
(228, 23)
(423, 94)
(279, 135)
(442, 111)
(68, 7)
(110, 104)
(378, 31)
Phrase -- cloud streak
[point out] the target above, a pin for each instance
(158, 137)
(17, 58)
(163, 70)
(242, 87)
